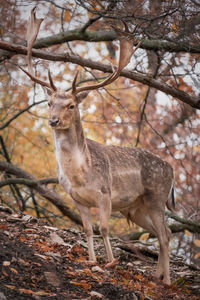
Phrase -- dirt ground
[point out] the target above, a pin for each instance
(42, 262)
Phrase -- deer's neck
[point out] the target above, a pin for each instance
(71, 147)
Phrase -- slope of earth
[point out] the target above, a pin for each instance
(42, 262)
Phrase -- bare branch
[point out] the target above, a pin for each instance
(109, 36)
(183, 221)
(27, 182)
(90, 22)
(145, 79)
(14, 188)
(175, 228)
(7, 123)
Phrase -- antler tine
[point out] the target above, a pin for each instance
(93, 86)
(35, 79)
(126, 52)
(31, 35)
(74, 90)
(52, 85)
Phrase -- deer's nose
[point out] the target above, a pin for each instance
(53, 122)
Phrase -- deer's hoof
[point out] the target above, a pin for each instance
(112, 264)
(165, 280)
(91, 262)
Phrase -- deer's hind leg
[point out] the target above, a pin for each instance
(152, 218)
(163, 233)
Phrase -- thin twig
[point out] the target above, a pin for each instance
(89, 22)
(7, 123)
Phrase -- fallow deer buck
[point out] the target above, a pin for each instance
(130, 180)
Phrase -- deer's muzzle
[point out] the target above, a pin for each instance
(54, 122)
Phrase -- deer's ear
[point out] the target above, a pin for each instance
(81, 96)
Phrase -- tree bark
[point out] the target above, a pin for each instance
(145, 79)
(111, 35)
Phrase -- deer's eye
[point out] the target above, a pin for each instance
(71, 106)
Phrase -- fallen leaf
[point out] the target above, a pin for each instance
(96, 294)
(41, 256)
(87, 271)
(83, 284)
(3, 226)
(11, 287)
(197, 255)
(71, 273)
(197, 242)
(14, 270)
(144, 237)
(67, 16)
(6, 263)
(97, 269)
(22, 239)
(187, 232)
(81, 259)
(50, 228)
(30, 229)
(25, 291)
(5, 274)
(43, 293)
(139, 276)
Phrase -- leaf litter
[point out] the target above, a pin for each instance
(41, 262)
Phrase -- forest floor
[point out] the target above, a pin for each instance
(42, 262)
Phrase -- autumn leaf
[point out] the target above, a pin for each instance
(88, 272)
(3, 227)
(144, 237)
(175, 28)
(11, 287)
(82, 284)
(22, 239)
(197, 242)
(26, 291)
(197, 255)
(67, 16)
(43, 293)
(188, 233)
(71, 273)
(139, 276)
(14, 270)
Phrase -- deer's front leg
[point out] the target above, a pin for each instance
(87, 226)
(104, 214)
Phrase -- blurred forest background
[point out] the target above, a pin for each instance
(154, 104)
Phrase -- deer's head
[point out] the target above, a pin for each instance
(63, 108)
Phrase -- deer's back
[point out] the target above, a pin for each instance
(133, 171)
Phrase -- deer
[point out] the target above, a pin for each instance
(133, 181)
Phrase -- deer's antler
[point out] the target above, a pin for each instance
(126, 52)
(31, 35)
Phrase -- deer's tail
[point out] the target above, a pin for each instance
(171, 203)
